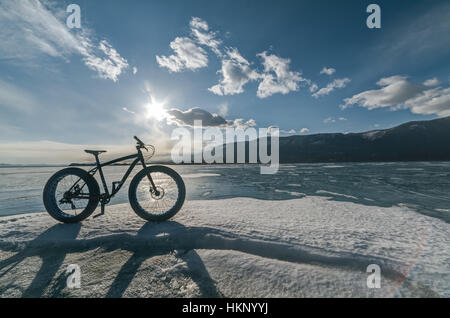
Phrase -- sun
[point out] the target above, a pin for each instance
(156, 110)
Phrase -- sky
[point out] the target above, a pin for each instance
(146, 67)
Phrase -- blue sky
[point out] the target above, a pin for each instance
(141, 67)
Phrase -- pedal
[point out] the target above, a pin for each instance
(102, 211)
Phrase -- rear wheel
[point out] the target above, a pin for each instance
(158, 204)
(71, 195)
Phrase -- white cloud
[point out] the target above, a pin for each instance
(199, 30)
(328, 71)
(434, 101)
(108, 68)
(304, 130)
(30, 30)
(431, 82)
(197, 23)
(430, 37)
(241, 123)
(394, 90)
(128, 111)
(329, 120)
(188, 55)
(337, 83)
(15, 98)
(277, 76)
(223, 109)
(135, 70)
(236, 72)
(313, 87)
(397, 92)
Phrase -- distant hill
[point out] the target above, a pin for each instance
(412, 141)
(37, 165)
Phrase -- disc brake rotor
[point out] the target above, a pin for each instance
(158, 194)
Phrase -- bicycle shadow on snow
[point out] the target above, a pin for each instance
(51, 262)
(157, 239)
(61, 239)
(195, 265)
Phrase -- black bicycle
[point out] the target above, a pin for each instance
(156, 193)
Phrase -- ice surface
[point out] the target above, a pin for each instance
(422, 186)
(239, 247)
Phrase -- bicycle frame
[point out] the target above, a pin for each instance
(138, 158)
(56, 197)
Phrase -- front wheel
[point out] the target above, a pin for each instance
(158, 204)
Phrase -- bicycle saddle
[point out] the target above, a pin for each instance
(95, 152)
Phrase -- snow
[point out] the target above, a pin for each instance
(200, 175)
(337, 194)
(240, 247)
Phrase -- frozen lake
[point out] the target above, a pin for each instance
(422, 186)
(309, 231)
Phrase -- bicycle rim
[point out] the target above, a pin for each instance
(160, 201)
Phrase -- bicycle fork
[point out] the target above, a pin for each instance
(149, 177)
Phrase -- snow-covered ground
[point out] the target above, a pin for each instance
(239, 247)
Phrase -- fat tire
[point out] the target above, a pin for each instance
(50, 200)
(133, 197)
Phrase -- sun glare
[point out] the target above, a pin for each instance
(156, 110)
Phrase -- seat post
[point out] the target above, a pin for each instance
(102, 177)
(96, 159)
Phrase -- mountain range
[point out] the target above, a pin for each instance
(412, 141)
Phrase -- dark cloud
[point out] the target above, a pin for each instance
(187, 118)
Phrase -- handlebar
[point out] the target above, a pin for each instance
(140, 143)
(138, 140)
